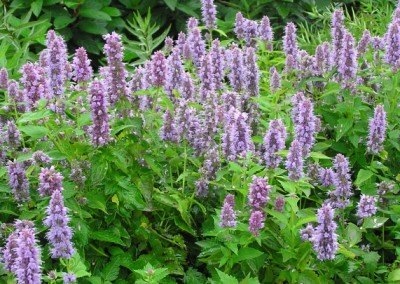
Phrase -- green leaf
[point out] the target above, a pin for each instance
(37, 7)
(111, 270)
(187, 9)
(32, 116)
(225, 278)
(246, 253)
(363, 176)
(365, 280)
(374, 222)
(112, 11)
(343, 126)
(353, 234)
(394, 276)
(62, 21)
(94, 14)
(34, 131)
(93, 27)
(371, 261)
(308, 277)
(106, 236)
(171, 4)
(319, 156)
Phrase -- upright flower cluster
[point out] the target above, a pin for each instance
(307, 233)
(18, 181)
(338, 32)
(82, 71)
(217, 59)
(168, 131)
(347, 65)
(256, 222)
(274, 141)
(12, 134)
(206, 77)
(100, 129)
(265, 32)
(294, 162)
(158, 69)
(236, 140)
(49, 181)
(10, 252)
(60, 234)
(366, 207)
(259, 190)
(116, 73)
(324, 239)
(16, 96)
(252, 73)
(3, 78)
(27, 263)
(239, 25)
(365, 40)
(342, 182)
(279, 203)
(237, 73)
(195, 43)
(274, 80)
(289, 41)
(57, 60)
(305, 126)
(228, 216)
(41, 158)
(209, 13)
(327, 177)
(377, 130)
(174, 72)
(36, 85)
(392, 53)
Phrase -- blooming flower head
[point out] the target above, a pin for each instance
(239, 25)
(256, 222)
(324, 239)
(294, 162)
(209, 12)
(279, 203)
(228, 216)
(305, 126)
(196, 45)
(265, 32)
(41, 158)
(289, 41)
(49, 181)
(158, 68)
(206, 76)
(363, 43)
(174, 72)
(377, 130)
(69, 278)
(218, 62)
(274, 141)
(259, 190)
(366, 207)
(82, 71)
(3, 78)
(327, 177)
(342, 182)
(12, 134)
(10, 252)
(347, 65)
(36, 84)
(168, 131)
(19, 182)
(338, 32)
(392, 53)
(60, 234)
(237, 73)
(274, 80)
(252, 72)
(57, 59)
(307, 233)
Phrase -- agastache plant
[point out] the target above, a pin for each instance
(377, 130)
(305, 126)
(3, 78)
(366, 207)
(392, 53)
(340, 196)
(338, 32)
(265, 32)
(289, 41)
(218, 62)
(228, 216)
(209, 12)
(274, 141)
(256, 222)
(57, 60)
(18, 181)
(82, 71)
(174, 72)
(259, 190)
(237, 73)
(35, 83)
(49, 181)
(206, 77)
(158, 69)
(274, 80)
(294, 162)
(347, 65)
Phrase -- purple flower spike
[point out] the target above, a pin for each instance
(100, 129)
(168, 131)
(41, 158)
(274, 141)
(57, 60)
(116, 72)
(158, 68)
(19, 182)
(294, 162)
(16, 96)
(181, 42)
(202, 187)
(290, 64)
(196, 45)
(366, 207)
(60, 234)
(36, 85)
(377, 130)
(338, 32)
(169, 44)
(347, 67)
(252, 73)
(342, 182)
(27, 263)
(12, 135)
(3, 78)
(307, 233)
(265, 32)
(174, 72)
(256, 222)
(392, 54)
(187, 89)
(259, 190)
(192, 23)
(279, 203)
(239, 25)
(10, 252)
(236, 76)
(209, 12)
(305, 126)
(81, 65)
(228, 216)
(206, 77)
(327, 177)
(250, 32)
(274, 80)
(363, 43)
(289, 41)
(218, 62)
(324, 239)
(49, 181)
(69, 278)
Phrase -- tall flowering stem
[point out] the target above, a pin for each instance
(377, 130)
(228, 216)
(57, 60)
(19, 182)
(274, 141)
(337, 31)
(100, 129)
(82, 71)
(342, 182)
(209, 12)
(259, 190)
(294, 162)
(49, 181)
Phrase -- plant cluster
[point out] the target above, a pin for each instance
(212, 162)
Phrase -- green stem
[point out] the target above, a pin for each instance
(184, 168)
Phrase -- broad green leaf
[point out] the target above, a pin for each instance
(394, 276)
(106, 236)
(374, 222)
(319, 156)
(36, 7)
(353, 234)
(171, 4)
(93, 27)
(112, 11)
(62, 21)
(34, 131)
(342, 127)
(246, 253)
(371, 261)
(94, 14)
(225, 278)
(308, 277)
(32, 116)
(111, 270)
(363, 176)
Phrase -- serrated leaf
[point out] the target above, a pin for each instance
(106, 236)
(343, 126)
(353, 234)
(34, 131)
(246, 254)
(394, 276)
(363, 176)
(111, 270)
(374, 222)
(225, 278)
(308, 277)
(171, 4)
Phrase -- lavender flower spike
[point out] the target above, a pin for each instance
(228, 216)
(294, 162)
(49, 181)
(237, 73)
(239, 25)
(158, 69)
(12, 134)
(57, 60)
(327, 177)
(274, 141)
(116, 79)
(69, 278)
(307, 233)
(366, 207)
(60, 234)
(27, 263)
(363, 43)
(81, 65)
(279, 203)
(100, 129)
(256, 222)
(289, 41)
(259, 190)
(265, 32)
(209, 12)
(39, 157)
(324, 239)
(338, 32)
(347, 65)
(274, 80)
(3, 78)
(377, 130)
(305, 126)
(342, 182)
(19, 182)
(10, 252)
(392, 53)
(174, 72)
